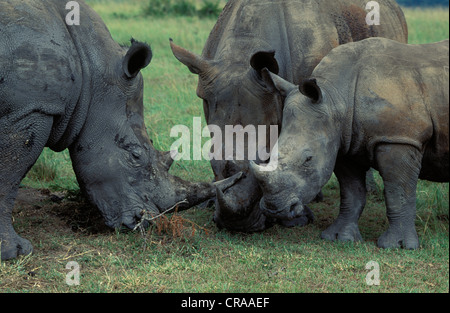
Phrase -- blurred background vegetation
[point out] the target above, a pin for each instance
(212, 8)
(422, 3)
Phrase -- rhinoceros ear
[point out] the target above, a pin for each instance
(309, 88)
(195, 63)
(138, 56)
(264, 59)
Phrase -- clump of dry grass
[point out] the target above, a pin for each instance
(173, 227)
(177, 226)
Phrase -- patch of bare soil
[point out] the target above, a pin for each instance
(60, 226)
(57, 211)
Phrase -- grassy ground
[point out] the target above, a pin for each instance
(186, 252)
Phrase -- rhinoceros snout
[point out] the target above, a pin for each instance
(289, 211)
(129, 219)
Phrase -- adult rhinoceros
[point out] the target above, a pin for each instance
(289, 37)
(73, 87)
(375, 103)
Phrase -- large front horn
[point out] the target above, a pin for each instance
(233, 217)
(195, 193)
(223, 206)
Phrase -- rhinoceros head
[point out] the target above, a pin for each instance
(307, 150)
(237, 94)
(115, 161)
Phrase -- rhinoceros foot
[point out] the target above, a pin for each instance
(12, 245)
(343, 231)
(399, 237)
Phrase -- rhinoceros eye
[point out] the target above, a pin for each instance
(307, 162)
(136, 153)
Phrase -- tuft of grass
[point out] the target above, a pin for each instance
(43, 170)
(52, 171)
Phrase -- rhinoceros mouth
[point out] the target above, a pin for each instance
(132, 217)
(129, 218)
(127, 215)
(292, 210)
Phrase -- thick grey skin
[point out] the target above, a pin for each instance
(74, 87)
(289, 38)
(376, 103)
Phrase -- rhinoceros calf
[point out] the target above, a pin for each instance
(74, 87)
(289, 37)
(375, 103)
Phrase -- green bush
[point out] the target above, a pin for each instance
(184, 8)
(209, 8)
(158, 8)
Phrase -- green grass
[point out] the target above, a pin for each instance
(427, 25)
(276, 260)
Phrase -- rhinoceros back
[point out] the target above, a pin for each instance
(399, 93)
(301, 32)
(408, 88)
(50, 67)
(39, 66)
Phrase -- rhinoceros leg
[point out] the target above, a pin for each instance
(399, 166)
(20, 145)
(352, 182)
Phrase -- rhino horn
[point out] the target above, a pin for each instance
(183, 192)
(223, 207)
(194, 62)
(195, 193)
(260, 173)
(205, 191)
(232, 216)
(283, 86)
(223, 185)
(167, 159)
